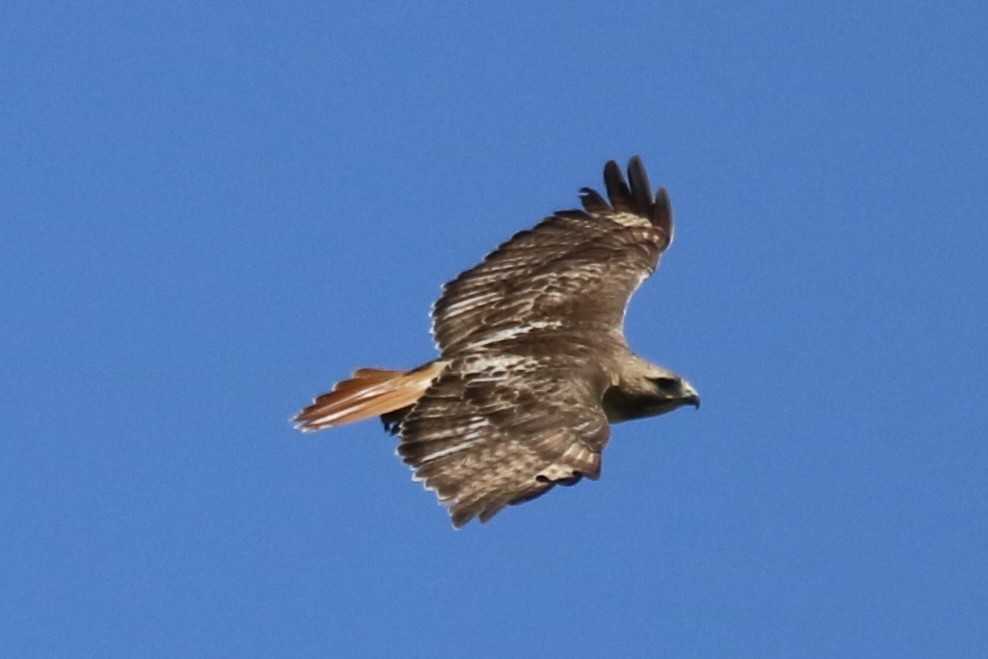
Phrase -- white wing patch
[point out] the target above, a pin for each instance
(509, 333)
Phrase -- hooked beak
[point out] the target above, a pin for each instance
(690, 395)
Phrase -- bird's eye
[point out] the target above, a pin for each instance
(667, 385)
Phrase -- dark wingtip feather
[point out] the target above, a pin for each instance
(617, 187)
(592, 201)
(633, 195)
(641, 189)
(661, 215)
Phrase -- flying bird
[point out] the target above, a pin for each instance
(533, 365)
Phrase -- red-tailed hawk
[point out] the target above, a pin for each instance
(533, 363)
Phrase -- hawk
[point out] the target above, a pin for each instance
(533, 365)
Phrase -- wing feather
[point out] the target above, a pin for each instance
(617, 188)
(575, 269)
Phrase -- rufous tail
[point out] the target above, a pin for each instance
(368, 393)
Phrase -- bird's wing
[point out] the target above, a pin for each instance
(576, 269)
(497, 429)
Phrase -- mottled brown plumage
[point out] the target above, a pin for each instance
(533, 363)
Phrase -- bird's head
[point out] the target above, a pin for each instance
(674, 390)
(648, 390)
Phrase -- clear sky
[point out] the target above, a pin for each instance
(210, 214)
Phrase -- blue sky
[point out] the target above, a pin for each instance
(211, 213)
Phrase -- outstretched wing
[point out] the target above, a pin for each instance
(498, 429)
(576, 269)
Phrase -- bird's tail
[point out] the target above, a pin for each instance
(368, 393)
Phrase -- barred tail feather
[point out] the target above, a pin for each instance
(368, 393)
